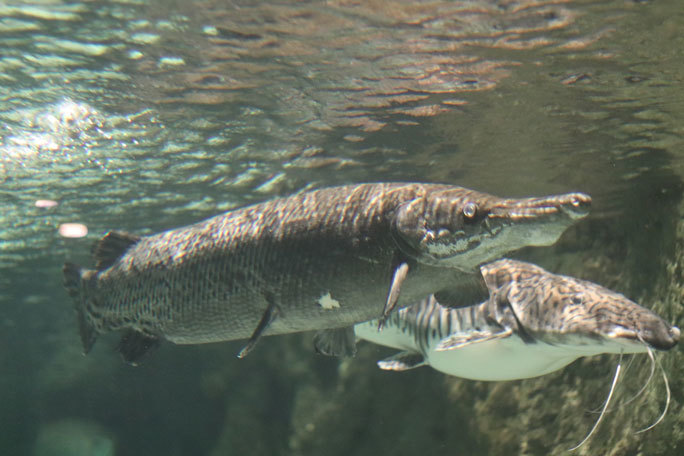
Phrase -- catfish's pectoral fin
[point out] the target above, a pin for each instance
(73, 282)
(335, 342)
(398, 278)
(462, 340)
(270, 314)
(111, 247)
(402, 361)
(134, 345)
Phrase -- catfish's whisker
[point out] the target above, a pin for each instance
(605, 405)
(624, 372)
(667, 389)
(650, 375)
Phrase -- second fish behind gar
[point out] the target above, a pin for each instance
(533, 323)
(324, 259)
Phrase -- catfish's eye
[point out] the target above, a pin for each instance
(469, 210)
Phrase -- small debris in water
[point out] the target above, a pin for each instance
(134, 54)
(73, 230)
(170, 61)
(573, 78)
(45, 203)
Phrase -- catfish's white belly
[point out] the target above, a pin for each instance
(389, 336)
(494, 360)
(500, 359)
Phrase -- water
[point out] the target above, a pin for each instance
(146, 115)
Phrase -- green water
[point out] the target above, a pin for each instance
(147, 115)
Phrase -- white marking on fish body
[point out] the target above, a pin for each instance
(327, 302)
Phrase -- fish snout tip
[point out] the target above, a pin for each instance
(576, 205)
(569, 205)
(664, 338)
(674, 332)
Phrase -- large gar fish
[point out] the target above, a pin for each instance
(328, 258)
(533, 323)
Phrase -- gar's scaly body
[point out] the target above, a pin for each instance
(323, 259)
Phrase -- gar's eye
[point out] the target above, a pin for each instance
(470, 210)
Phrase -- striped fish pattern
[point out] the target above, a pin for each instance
(533, 323)
(429, 322)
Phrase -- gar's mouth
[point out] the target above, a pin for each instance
(572, 205)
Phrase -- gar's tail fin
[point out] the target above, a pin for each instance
(73, 281)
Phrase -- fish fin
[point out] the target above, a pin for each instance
(270, 314)
(73, 282)
(134, 345)
(111, 247)
(398, 278)
(459, 341)
(402, 361)
(336, 342)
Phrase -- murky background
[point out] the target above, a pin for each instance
(147, 115)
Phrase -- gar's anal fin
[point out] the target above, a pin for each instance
(270, 314)
(398, 278)
(336, 342)
(402, 361)
(134, 345)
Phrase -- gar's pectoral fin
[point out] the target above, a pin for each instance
(400, 273)
(463, 340)
(269, 316)
(134, 345)
(402, 361)
(335, 342)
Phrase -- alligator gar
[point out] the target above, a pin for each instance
(533, 323)
(324, 259)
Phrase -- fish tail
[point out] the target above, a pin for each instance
(74, 283)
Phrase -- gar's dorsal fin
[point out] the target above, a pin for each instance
(111, 247)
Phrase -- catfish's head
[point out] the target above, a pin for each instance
(461, 228)
(574, 314)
